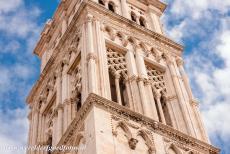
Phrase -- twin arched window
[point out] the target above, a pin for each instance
(111, 5)
(141, 20)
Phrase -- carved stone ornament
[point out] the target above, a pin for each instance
(132, 143)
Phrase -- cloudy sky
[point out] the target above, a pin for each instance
(202, 26)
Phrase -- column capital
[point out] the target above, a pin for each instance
(117, 75)
(179, 61)
(58, 72)
(89, 17)
(91, 56)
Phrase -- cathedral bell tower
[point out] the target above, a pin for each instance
(112, 82)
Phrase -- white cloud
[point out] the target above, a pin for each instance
(208, 63)
(13, 130)
(18, 30)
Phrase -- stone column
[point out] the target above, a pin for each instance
(132, 81)
(59, 119)
(59, 102)
(170, 61)
(91, 57)
(117, 84)
(142, 73)
(130, 102)
(35, 118)
(151, 101)
(204, 135)
(124, 9)
(161, 112)
(104, 85)
(65, 94)
(185, 78)
(64, 23)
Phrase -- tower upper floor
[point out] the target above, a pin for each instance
(145, 14)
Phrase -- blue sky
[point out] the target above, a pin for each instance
(202, 26)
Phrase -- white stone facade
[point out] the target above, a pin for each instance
(111, 80)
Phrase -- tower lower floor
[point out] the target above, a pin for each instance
(104, 127)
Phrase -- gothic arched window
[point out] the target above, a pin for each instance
(101, 2)
(111, 6)
(142, 21)
(117, 76)
(78, 103)
(133, 17)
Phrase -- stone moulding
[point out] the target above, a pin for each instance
(94, 100)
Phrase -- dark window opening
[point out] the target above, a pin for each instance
(50, 140)
(142, 22)
(78, 101)
(123, 93)
(166, 111)
(112, 87)
(133, 17)
(111, 7)
(101, 2)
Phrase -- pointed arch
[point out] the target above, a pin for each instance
(111, 32)
(144, 47)
(173, 147)
(146, 137)
(78, 138)
(126, 129)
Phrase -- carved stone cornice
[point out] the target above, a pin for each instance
(96, 101)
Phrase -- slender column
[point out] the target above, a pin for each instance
(142, 73)
(132, 77)
(129, 95)
(185, 78)
(124, 8)
(140, 63)
(91, 57)
(35, 115)
(143, 95)
(64, 23)
(117, 84)
(158, 96)
(59, 103)
(204, 135)
(179, 94)
(104, 85)
(59, 121)
(39, 128)
(152, 102)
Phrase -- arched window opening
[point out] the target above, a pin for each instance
(123, 93)
(78, 102)
(165, 110)
(101, 2)
(111, 6)
(133, 17)
(50, 140)
(142, 22)
(112, 87)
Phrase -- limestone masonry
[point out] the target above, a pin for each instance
(112, 82)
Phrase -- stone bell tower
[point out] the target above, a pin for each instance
(112, 81)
